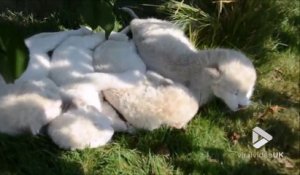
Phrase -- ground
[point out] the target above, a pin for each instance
(216, 141)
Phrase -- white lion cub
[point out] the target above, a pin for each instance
(27, 106)
(33, 100)
(153, 102)
(38, 45)
(225, 73)
(72, 69)
(81, 128)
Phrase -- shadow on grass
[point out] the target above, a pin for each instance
(270, 96)
(34, 155)
(176, 146)
(163, 141)
(253, 167)
(284, 138)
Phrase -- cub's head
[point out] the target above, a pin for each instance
(234, 78)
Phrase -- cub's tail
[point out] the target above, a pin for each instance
(129, 11)
(132, 14)
(2, 81)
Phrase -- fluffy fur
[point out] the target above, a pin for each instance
(118, 54)
(33, 100)
(72, 70)
(38, 45)
(28, 105)
(81, 128)
(116, 122)
(152, 103)
(225, 73)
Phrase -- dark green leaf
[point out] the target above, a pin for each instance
(98, 13)
(13, 52)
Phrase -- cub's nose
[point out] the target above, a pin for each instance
(241, 106)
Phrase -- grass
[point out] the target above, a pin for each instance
(216, 141)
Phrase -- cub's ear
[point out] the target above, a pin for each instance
(213, 71)
(2, 81)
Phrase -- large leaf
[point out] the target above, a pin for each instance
(98, 13)
(20, 61)
(13, 53)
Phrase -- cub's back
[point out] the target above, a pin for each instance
(162, 45)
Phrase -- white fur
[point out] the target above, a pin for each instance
(28, 105)
(38, 45)
(117, 54)
(152, 103)
(118, 124)
(72, 70)
(33, 100)
(81, 128)
(221, 72)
